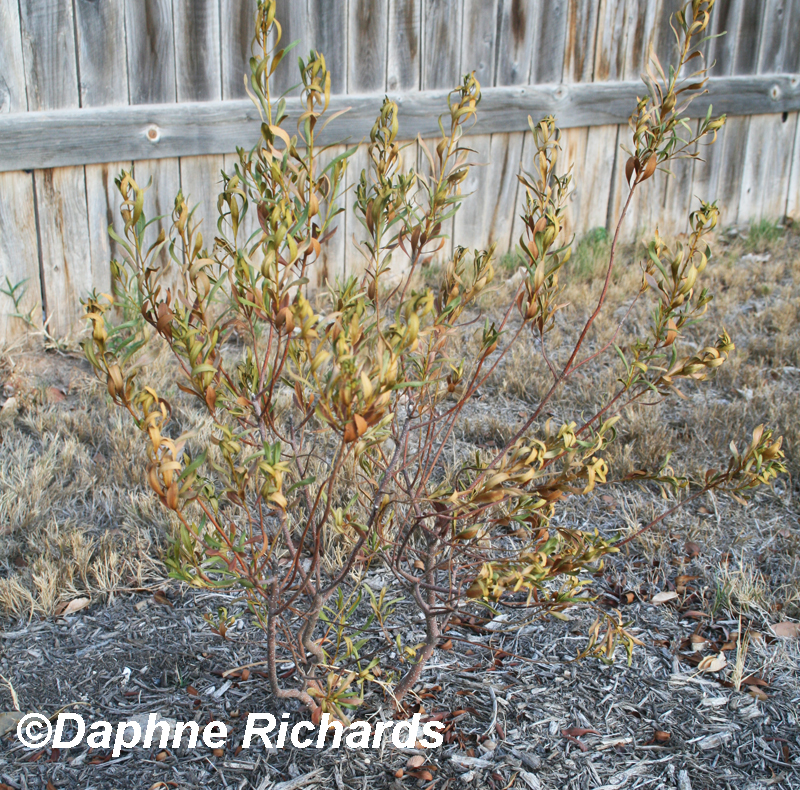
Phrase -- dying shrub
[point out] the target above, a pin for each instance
(331, 423)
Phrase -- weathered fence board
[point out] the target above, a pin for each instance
(155, 131)
(89, 88)
(19, 255)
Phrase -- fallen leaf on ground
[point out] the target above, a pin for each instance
(75, 605)
(692, 549)
(713, 663)
(663, 597)
(786, 630)
(417, 761)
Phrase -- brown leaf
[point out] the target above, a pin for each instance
(50, 785)
(448, 645)
(426, 776)
(630, 166)
(692, 549)
(757, 693)
(361, 424)
(786, 630)
(55, 395)
(159, 597)
(75, 605)
(191, 691)
(161, 756)
(245, 674)
(417, 761)
(350, 432)
(399, 773)
(650, 167)
(754, 680)
(661, 735)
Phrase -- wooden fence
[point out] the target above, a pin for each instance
(88, 87)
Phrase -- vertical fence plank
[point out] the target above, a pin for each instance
(441, 43)
(151, 51)
(52, 83)
(549, 53)
(295, 26)
(328, 29)
(19, 254)
(473, 225)
(236, 38)
(367, 37)
(515, 41)
(766, 169)
(549, 20)
(102, 65)
(403, 46)
(151, 80)
(100, 29)
(589, 51)
(579, 51)
(719, 59)
(366, 62)
(198, 78)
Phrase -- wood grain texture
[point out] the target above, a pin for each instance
(515, 41)
(103, 68)
(403, 45)
(48, 39)
(549, 53)
(64, 245)
(19, 255)
(478, 40)
(328, 33)
(579, 49)
(350, 226)
(331, 263)
(441, 47)
(198, 78)
(197, 50)
(96, 135)
(366, 56)
(766, 167)
(236, 38)
(51, 73)
(12, 67)
(152, 78)
(19, 259)
(151, 51)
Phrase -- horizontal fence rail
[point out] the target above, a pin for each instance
(104, 134)
(89, 88)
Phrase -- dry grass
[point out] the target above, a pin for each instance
(76, 516)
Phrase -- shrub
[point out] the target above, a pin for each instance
(330, 424)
